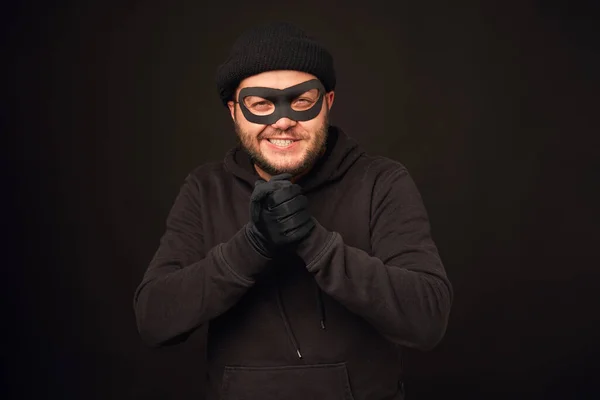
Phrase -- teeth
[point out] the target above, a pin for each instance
(282, 143)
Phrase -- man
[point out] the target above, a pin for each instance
(310, 261)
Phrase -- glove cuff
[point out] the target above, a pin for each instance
(257, 240)
(242, 255)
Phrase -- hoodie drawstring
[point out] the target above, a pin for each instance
(286, 322)
(320, 306)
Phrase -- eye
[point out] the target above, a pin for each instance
(259, 105)
(262, 103)
(306, 100)
(302, 104)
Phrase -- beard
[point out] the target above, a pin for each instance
(313, 152)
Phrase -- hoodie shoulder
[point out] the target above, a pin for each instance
(208, 169)
(378, 167)
(383, 164)
(207, 173)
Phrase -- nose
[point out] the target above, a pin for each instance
(284, 123)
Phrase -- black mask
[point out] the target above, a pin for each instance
(278, 103)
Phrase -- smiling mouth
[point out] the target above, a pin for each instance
(282, 142)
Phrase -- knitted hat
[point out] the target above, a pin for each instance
(274, 46)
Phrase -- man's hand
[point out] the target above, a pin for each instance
(279, 215)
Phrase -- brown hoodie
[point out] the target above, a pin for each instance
(327, 322)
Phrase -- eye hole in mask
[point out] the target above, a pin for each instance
(266, 106)
(263, 106)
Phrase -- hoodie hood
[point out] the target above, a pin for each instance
(341, 153)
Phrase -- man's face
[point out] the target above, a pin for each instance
(269, 146)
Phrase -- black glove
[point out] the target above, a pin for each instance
(279, 215)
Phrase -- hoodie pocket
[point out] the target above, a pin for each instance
(323, 382)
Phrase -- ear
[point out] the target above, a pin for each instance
(231, 106)
(329, 97)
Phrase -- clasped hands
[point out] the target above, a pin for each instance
(279, 217)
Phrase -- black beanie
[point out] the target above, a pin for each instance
(274, 46)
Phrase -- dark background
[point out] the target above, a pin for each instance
(492, 106)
